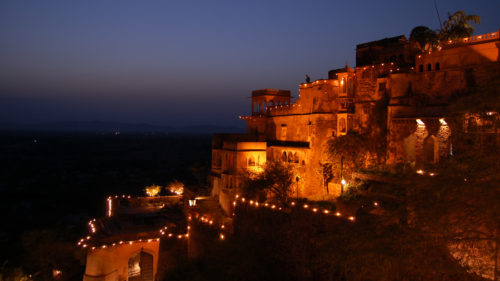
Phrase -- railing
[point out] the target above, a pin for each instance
(475, 39)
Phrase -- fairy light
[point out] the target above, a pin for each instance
(110, 206)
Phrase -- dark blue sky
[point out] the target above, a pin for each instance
(185, 62)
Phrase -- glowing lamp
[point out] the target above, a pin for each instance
(442, 121)
(420, 122)
(343, 181)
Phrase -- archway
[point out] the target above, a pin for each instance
(430, 150)
(140, 267)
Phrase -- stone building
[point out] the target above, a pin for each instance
(417, 88)
(138, 239)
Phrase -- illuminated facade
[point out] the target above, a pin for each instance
(126, 244)
(418, 89)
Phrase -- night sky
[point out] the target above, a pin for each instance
(186, 62)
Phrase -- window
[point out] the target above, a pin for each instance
(283, 156)
(343, 85)
(421, 68)
(283, 131)
(429, 67)
(438, 66)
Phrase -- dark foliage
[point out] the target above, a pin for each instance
(275, 180)
(299, 245)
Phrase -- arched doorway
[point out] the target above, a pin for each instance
(140, 267)
(430, 150)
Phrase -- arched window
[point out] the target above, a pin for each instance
(421, 68)
(290, 157)
(251, 161)
(438, 66)
(295, 158)
(429, 67)
(283, 156)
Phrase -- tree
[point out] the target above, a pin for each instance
(176, 187)
(348, 153)
(460, 206)
(152, 190)
(326, 173)
(459, 25)
(276, 180)
(424, 38)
